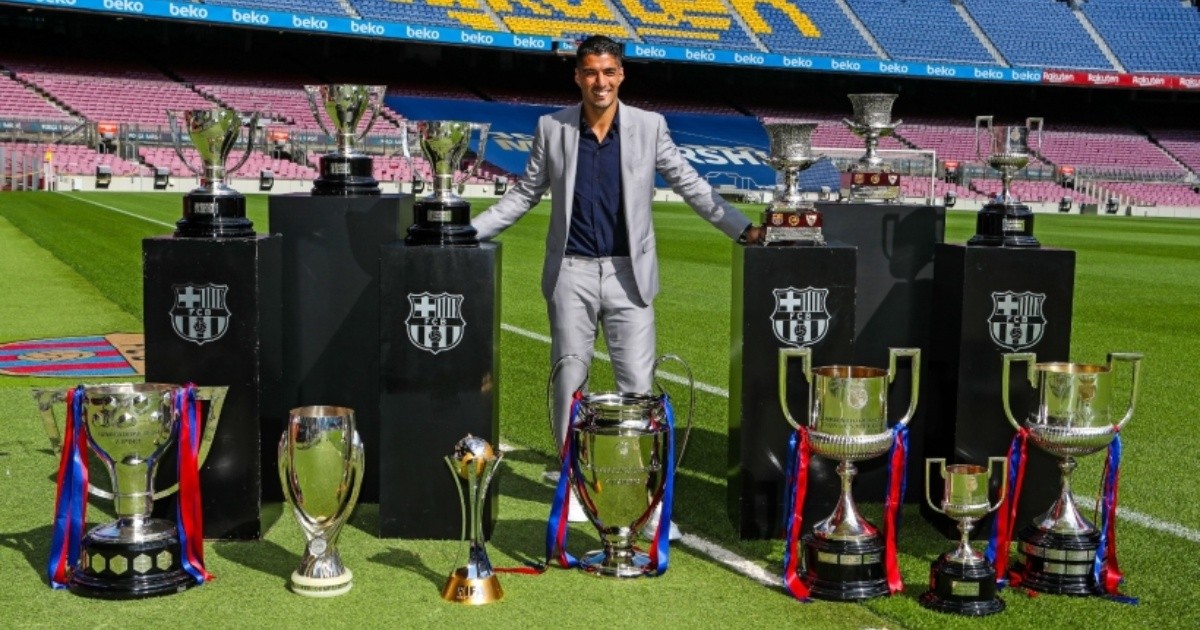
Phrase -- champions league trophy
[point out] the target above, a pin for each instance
(474, 461)
(442, 217)
(1074, 417)
(130, 426)
(870, 178)
(321, 466)
(962, 581)
(847, 420)
(345, 172)
(789, 219)
(214, 210)
(1004, 221)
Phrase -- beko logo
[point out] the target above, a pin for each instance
(187, 11)
(421, 33)
(893, 68)
(128, 6)
(65, 3)
(476, 38)
(845, 65)
(316, 24)
(797, 62)
(529, 42)
(250, 17)
(366, 28)
(749, 58)
(649, 51)
(699, 55)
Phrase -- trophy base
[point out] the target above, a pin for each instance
(123, 570)
(618, 565)
(870, 186)
(208, 215)
(322, 587)
(1059, 564)
(442, 224)
(461, 589)
(346, 176)
(843, 570)
(962, 588)
(1004, 225)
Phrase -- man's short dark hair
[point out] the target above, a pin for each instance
(598, 45)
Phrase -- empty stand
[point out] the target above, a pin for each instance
(906, 30)
(813, 27)
(1038, 33)
(318, 7)
(696, 23)
(1149, 35)
(569, 20)
(466, 14)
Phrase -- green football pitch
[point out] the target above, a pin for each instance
(70, 264)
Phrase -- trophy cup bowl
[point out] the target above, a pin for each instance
(473, 462)
(847, 420)
(1005, 221)
(870, 179)
(962, 581)
(789, 219)
(214, 210)
(320, 467)
(1075, 416)
(346, 171)
(442, 217)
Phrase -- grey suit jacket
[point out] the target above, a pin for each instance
(646, 148)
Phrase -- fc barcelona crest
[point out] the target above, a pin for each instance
(199, 314)
(435, 322)
(1017, 321)
(800, 317)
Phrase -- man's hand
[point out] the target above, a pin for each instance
(754, 235)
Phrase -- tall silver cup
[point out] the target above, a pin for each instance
(871, 179)
(1005, 221)
(214, 209)
(338, 110)
(442, 217)
(789, 219)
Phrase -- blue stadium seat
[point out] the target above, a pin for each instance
(705, 23)
(318, 7)
(815, 27)
(921, 30)
(1149, 35)
(1038, 33)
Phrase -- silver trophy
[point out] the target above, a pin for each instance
(870, 178)
(1075, 416)
(321, 466)
(473, 463)
(1005, 221)
(347, 171)
(214, 209)
(442, 217)
(847, 421)
(790, 219)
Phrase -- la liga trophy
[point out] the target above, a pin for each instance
(442, 217)
(870, 179)
(1005, 221)
(214, 210)
(790, 220)
(473, 463)
(346, 171)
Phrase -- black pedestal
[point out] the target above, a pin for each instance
(111, 570)
(989, 301)
(331, 329)
(440, 350)
(782, 297)
(843, 570)
(212, 317)
(962, 588)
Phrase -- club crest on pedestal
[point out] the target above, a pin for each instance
(800, 317)
(435, 322)
(199, 313)
(1017, 321)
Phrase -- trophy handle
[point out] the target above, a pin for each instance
(691, 397)
(805, 355)
(929, 477)
(849, 123)
(376, 107)
(1035, 123)
(249, 145)
(896, 123)
(46, 399)
(175, 133)
(215, 397)
(316, 112)
(1135, 359)
(483, 134)
(550, 386)
(1003, 480)
(1009, 359)
(914, 356)
(987, 122)
(412, 161)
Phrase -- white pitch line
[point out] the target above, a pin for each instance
(119, 211)
(731, 560)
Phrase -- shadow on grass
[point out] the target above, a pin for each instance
(409, 561)
(34, 544)
(263, 556)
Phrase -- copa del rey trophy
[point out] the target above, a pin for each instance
(442, 217)
(473, 463)
(1004, 221)
(214, 210)
(870, 179)
(790, 219)
(346, 171)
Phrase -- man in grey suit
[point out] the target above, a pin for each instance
(598, 159)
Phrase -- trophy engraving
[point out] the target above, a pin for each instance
(346, 171)
(473, 462)
(442, 217)
(870, 179)
(1004, 221)
(789, 219)
(214, 210)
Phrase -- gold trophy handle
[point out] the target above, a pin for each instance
(1135, 360)
(914, 355)
(805, 355)
(691, 397)
(929, 477)
(175, 134)
(1009, 359)
(1003, 480)
(986, 121)
(483, 134)
(249, 144)
(550, 386)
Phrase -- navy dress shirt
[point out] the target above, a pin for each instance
(597, 216)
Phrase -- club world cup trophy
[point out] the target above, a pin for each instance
(346, 172)
(214, 210)
(845, 557)
(1064, 553)
(870, 179)
(473, 463)
(963, 581)
(321, 466)
(790, 220)
(619, 461)
(129, 427)
(1004, 221)
(442, 217)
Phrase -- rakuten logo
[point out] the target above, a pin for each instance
(649, 51)
(1050, 76)
(1149, 81)
(421, 33)
(1102, 79)
(1189, 82)
(187, 11)
(529, 42)
(126, 6)
(250, 17)
(366, 28)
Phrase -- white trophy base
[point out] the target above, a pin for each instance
(322, 587)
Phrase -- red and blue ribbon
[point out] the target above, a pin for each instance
(189, 514)
(70, 503)
(1006, 517)
(660, 549)
(556, 525)
(897, 463)
(799, 456)
(1107, 574)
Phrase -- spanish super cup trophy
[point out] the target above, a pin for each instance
(129, 427)
(473, 463)
(870, 179)
(321, 466)
(619, 460)
(845, 557)
(442, 217)
(347, 171)
(962, 581)
(790, 219)
(1064, 553)
(214, 210)
(1005, 221)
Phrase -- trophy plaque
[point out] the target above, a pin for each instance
(214, 210)
(442, 217)
(962, 581)
(870, 179)
(1004, 221)
(790, 220)
(346, 171)
(473, 463)
(845, 557)
(320, 466)
(1074, 417)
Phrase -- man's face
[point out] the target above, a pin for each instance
(598, 77)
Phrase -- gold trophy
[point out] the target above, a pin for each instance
(473, 462)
